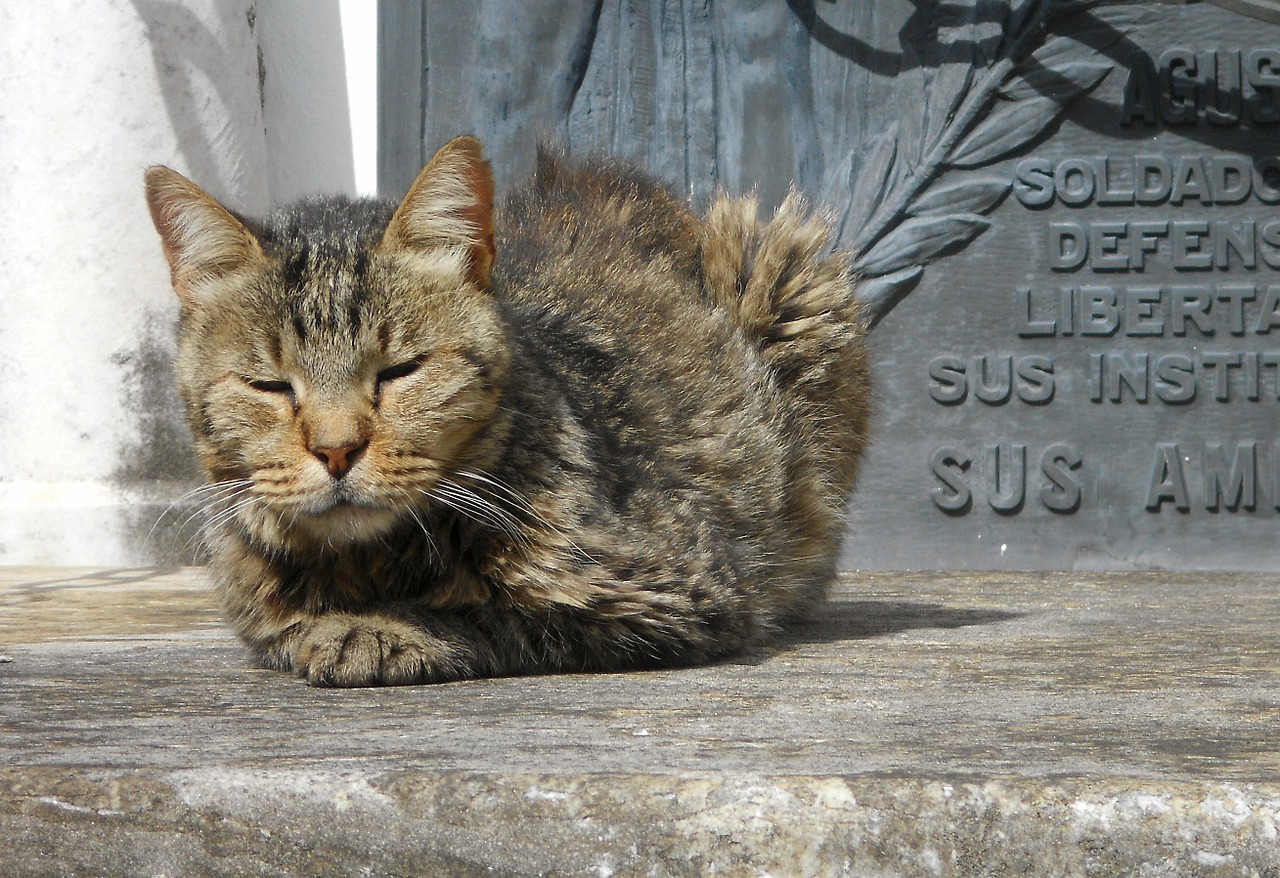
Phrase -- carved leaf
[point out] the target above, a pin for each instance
(971, 114)
(970, 195)
(1099, 30)
(873, 178)
(1061, 70)
(1061, 83)
(1008, 126)
(919, 239)
(879, 295)
(1021, 16)
(1075, 56)
(951, 84)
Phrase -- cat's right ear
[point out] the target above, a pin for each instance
(450, 205)
(201, 239)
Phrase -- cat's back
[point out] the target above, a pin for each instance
(590, 232)
(720, 356)
(599, 268)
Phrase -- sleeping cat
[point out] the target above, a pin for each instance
(588, 431)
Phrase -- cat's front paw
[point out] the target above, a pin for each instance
(347, 650)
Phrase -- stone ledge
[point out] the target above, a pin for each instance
(926, 724)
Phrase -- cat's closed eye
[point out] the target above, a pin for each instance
(400, 370)
(270, 386)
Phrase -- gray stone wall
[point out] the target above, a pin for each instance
(930, 129)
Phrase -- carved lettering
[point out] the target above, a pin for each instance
(1033, 182)
(1153, 177)
(949, 466)
(1146, 180)
(1186, 245)
(1129, 371)
(1007, 469)
(1140, 92)
(1190, 181)
(1187, 238)
(1175, 379)
(991, 378)
(1122, 376)
(1233, 485)
(1221, 365)
(1061, 491)
(1198, 310)
(1003, 481)
(1235, 295)
(1178, 86)
(1262, 71)
(1105, 243)
(1229, 179)
(1033, 328)
(1140, 261)
(1186, 87)
(1226, 474)
(1140, 305)
(1223, 102)
(1099, 314)
(1191, 303)
(1168, 479)
(1068, 245)
(1035, 380)
(1268, 314)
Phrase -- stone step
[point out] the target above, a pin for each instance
(931, 724)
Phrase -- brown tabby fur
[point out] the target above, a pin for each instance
(591, 432)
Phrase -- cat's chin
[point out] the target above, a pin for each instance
(346, 523)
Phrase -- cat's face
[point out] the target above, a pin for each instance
(340, 361)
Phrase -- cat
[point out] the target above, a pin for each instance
(586, 431)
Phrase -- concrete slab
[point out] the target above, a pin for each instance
(926, 724)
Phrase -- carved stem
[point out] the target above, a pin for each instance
(894, 210)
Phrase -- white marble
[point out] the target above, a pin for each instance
(90, 95)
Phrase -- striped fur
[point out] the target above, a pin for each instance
(586, 430)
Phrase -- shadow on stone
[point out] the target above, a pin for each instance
(857, 620)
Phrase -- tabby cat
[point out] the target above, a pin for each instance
(589, 431)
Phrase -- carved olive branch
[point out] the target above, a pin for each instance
(893, 211)
(910, 224)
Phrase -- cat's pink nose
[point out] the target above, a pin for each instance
(339, 459)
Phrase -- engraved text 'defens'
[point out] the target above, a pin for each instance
(1185, 245)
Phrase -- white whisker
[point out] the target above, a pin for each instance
(504, 493)
(227, 515)
(426, 533)
(206, 501)
(477, 508)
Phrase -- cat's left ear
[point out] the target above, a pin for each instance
(451, 203)
(201, 239)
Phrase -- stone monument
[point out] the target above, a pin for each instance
(1064, 215)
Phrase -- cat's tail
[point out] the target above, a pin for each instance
(778, 278)
(790, 292)
(795, 298)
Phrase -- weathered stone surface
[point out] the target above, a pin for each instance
(1064, 214)
(924, 725)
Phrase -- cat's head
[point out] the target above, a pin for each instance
(340, 358)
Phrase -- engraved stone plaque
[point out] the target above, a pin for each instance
(1095, 380)
(1067, 217)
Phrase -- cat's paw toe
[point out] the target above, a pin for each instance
(346, 651)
